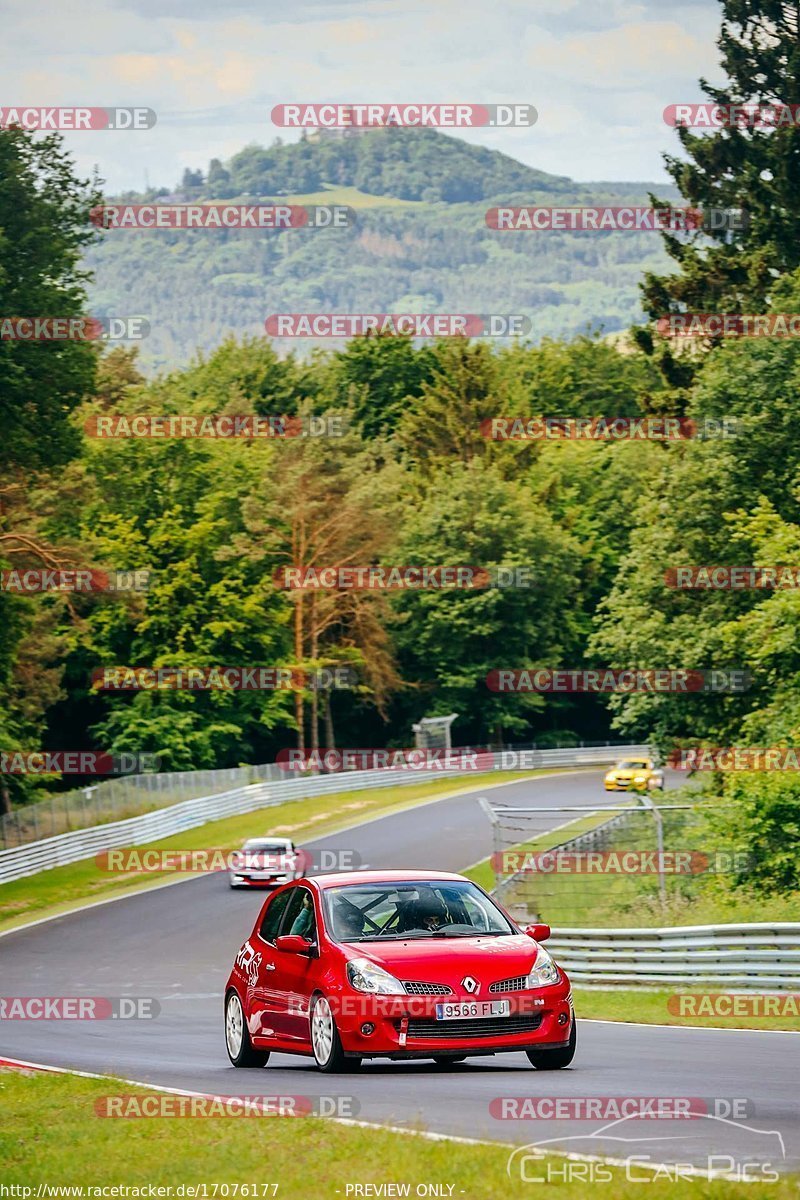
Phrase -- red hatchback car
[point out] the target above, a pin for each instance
(394, 964)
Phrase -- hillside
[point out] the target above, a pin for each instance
(419, 243)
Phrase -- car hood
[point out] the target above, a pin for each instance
(447, 960)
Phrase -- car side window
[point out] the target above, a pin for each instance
(272, 918)
(299, 915)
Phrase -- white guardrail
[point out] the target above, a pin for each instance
(759, 955)
(80, 844)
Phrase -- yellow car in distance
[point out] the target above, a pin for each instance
(634, 773)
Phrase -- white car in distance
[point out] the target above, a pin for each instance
(266, 862)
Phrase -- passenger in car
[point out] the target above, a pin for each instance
(304, 923)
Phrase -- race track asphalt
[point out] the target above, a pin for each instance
(177, 944)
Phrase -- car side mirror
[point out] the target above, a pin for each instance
(293, 943)
(539, 933)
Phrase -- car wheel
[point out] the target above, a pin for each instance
(554, 1060)
(237, 1036)
(447, 1060)
(325, 1041)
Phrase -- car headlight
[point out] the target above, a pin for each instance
(366, 976)
(544, 972)
(640, 779)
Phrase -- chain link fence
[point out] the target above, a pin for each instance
(118, 798)
(626, 862)
(131, 795)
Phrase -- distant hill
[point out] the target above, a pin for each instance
(419, 243)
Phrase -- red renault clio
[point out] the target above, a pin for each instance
(394, 964)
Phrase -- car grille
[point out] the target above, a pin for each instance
(469, 1028)
(518, 984)
(415, 988)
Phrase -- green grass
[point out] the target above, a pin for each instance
(352, 196)
(51, 1134)
(651, 1008)
(56, 891)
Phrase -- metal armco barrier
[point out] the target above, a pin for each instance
(166, 822)
(764, 956)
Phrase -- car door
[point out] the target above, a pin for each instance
(294, 974)
(262, 994)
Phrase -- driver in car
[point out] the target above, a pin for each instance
(429, 912)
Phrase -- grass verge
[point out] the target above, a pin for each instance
(652, 1008)
(50, 1134)
(62, 888)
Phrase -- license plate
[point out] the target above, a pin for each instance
(476, 1009)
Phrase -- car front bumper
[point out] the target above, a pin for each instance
(254, 881)
(406, 1026)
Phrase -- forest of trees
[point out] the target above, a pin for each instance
(416, 246)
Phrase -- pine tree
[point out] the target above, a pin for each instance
(749, 167)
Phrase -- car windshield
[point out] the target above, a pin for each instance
(633, 766)
(368, 912)
(257, 847)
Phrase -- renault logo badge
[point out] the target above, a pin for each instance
(470, 985)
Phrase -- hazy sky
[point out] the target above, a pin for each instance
(599, 74)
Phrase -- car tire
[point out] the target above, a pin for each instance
(326, 1044)
(447, 1060)
(554, 1060)
(240, 1049)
